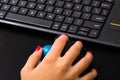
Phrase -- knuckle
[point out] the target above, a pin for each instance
(70, 76)
(49, 59)
(63, 66)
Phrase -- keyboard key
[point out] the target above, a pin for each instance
(5, 7)
(76, 14)
(68, 20)
(32, 0)
(84, 29)
(64, 27)
(40, 7)
(78, 22)
(32, 12)
(106, 5)
(87, 9)
(50, 16)
(68, 5)
(96, 10)
(105, 12)
(59, 18)
(50, 2)
(93, 25)
(41, 14)
(86, 2)
(77, 7)
(0, 4)
(31, 5)
(56, 25)
(93, 33)
(77, 1)
(67, 0)
(22, 3)
(41, 1)
(29, 20)
(72, 29)
(58, 10)
(98, 18)
(95, 3)
(2, 14)
(4, 1)
(49, 9)
(13, 2)
(82, 33)
(110, 1)
(14, 9)
(23, 11)
(59, 3)
(86, 16)
(67, 12)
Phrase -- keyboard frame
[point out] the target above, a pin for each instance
(104, 37)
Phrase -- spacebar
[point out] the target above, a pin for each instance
(29, 20)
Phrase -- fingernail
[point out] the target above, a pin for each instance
(38, 48)
(80, 41)
(95, 68)
(90, 51)
(66, 35)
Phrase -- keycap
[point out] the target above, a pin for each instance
(93, 25)
(2, 14)
(98, 18)
(29, 20)
(93, 33)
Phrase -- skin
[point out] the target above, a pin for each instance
(55, 67)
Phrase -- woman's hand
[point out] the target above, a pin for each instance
(55, 67)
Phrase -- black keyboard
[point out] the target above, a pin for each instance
(84, 18)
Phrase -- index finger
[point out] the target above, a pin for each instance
(58, 45)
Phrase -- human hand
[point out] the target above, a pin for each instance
(55, 67)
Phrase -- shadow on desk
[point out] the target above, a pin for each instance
(17, 44)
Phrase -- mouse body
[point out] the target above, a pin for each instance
(46, 49)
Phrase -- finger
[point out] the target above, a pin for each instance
(58, 45)
(89, 76)
(83, 64)
(73, 52)
(34, 58)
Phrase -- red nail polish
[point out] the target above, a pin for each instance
(66, 35)
(90, 51)
(38, 48)
(80, 41)
(95, 68)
